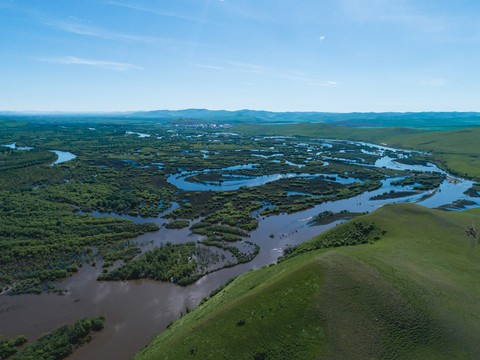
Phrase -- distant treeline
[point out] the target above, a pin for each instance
(407, 119)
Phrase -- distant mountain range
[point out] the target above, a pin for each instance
(371, 119)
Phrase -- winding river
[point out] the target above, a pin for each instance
(62, 156)
(136, 311)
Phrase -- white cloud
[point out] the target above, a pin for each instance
(322, 38)
(210, 67)
(289, 74)
(82, 29)
(401, 12)
(326, 83)
(69, 60)
(156, 12)
(247, 66)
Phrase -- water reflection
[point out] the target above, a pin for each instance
(14, 146)
(62, 156)
(182, 182)
(136, 311)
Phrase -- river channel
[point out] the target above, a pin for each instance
(62, 156)
(137, 311)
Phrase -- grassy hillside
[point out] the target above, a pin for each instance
(323, 131)
(410, 292)
(456, 150)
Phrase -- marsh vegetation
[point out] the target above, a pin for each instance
(48, 233)
(183, 203)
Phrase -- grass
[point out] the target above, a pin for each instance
(323, 131)
(413, 293)
(454, 150)
(246, 310)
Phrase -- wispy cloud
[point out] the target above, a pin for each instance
(82, 29)
(154, 11)
(298, 76)
(248, 66)
(234, 66)
(326, 83)
(401, 12)
(210, 67)
(293, 75)
(72, 60)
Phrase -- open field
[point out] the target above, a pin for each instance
(324, 131)
(455, 150)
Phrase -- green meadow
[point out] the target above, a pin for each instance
(456, 150)
(409, 291)
(453, 150)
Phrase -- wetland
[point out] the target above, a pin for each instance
(140, 223)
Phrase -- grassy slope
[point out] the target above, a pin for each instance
(412, 294)
(323, 131)
(456, 150)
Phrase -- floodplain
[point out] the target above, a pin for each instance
(139, 223)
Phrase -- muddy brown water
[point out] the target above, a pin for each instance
(137, 311)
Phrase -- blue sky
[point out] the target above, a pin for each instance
(279, 55)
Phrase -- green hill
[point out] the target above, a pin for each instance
(411, 291)
(455, 150)
(325, 131)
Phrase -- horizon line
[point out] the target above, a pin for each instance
(106, 112)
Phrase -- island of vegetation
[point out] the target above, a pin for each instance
(394, 270)
(58, 344)
(347, 294)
